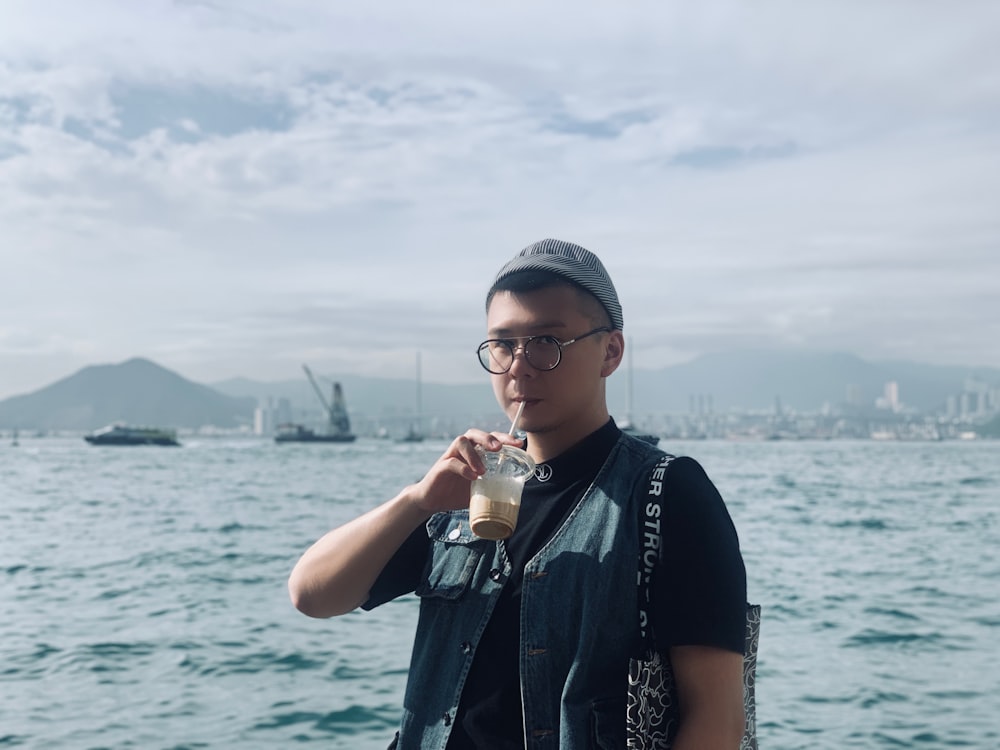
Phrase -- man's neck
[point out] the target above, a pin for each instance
(546, 445)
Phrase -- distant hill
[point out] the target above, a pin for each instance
(141, 392)
(801, 380)
(138, 392)
(750, 379)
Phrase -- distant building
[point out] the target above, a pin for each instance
(970, 404)
(978, 401)
(951, 407)
(263, 418)
(268, 415)
(283, 411)
(700, 403)
(889, 400)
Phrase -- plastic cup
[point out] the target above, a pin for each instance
(496, 495)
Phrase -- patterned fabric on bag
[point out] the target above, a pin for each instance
(652, 707)
(653, 712)
(749, 741)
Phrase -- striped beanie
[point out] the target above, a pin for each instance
(573, 263)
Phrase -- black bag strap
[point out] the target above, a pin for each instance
(650, 541)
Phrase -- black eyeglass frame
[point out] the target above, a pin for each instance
(484, 356)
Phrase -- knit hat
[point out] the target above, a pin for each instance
(573, 263)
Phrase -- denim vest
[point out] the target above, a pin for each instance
(578, 617)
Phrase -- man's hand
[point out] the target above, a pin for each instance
(446, 485)
(336, 573)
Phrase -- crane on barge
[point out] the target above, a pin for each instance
(338, 429)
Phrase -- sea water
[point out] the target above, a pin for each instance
(143, 600)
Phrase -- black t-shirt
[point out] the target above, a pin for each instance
(700, 589)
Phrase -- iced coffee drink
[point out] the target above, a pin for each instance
(496, 495)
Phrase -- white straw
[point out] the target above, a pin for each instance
(517, 418)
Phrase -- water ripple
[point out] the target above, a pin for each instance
(144, 601)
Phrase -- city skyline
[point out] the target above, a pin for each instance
(814, 397)
(741, 380)
(240, 188)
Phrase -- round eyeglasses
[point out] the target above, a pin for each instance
(541, 352)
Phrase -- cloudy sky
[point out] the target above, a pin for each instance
(237, 187)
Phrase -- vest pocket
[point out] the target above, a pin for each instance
(455, 554)
(607, 723)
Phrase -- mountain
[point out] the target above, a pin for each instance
(141, 392)
(799, 380)
(747, 379)
(138, 392)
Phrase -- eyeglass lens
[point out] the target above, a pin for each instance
(542, 352)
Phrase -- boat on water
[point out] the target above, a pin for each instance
(626, 426)
(414, 434)
(647, 437)
(297, 433)
(338, 427)
(120, 434)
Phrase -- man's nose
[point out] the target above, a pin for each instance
(514, 359)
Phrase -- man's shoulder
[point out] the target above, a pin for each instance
(687, 467)
(684, 471)
(634, 457)
(638, 447)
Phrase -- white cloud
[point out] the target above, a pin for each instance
(230, 187)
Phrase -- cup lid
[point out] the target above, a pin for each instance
(514, 461)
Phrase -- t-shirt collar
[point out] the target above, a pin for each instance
(582, 460)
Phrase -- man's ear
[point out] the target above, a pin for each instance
(614, 350)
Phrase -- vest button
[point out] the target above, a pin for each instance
(496, 574)
(466, 647)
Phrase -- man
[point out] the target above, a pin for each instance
(525, 642)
